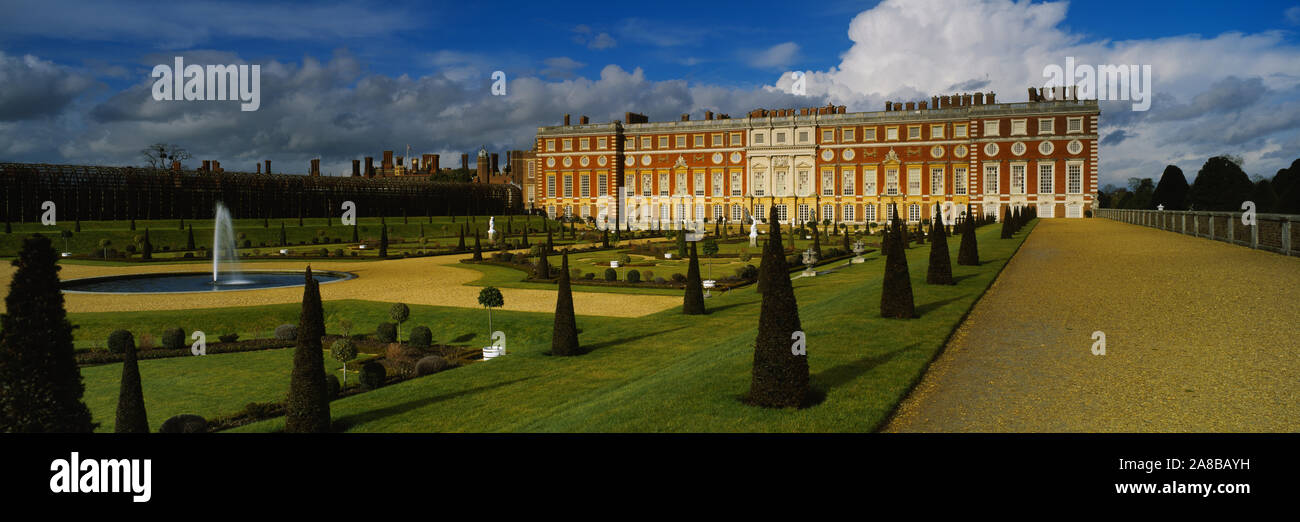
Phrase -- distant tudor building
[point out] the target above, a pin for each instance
(825, 163)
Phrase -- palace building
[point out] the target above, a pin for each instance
(823, 163)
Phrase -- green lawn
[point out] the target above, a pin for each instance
(668, 372)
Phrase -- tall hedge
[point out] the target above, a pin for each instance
(40, 385)
(779, 377)
(308, 408)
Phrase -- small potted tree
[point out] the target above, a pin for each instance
(490, 297)
(344, 350)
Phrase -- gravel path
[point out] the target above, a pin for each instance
(1201, 336)
(429, 281)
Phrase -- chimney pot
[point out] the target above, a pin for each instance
(268, 166)
(566, 120)
(582, 120)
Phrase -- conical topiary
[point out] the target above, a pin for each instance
(780, 373)
(693, 303)
(284, 240)
(543, 270)
(308, 407)
(131, 417)
(355, 238)
(940, 270)
(896, 289)
(41, 383)
(460, 247)
(564, 337)
(383, 240)
(189, 238)
(478, 249)
(1006, 223)
(817, 240)
(969, 255)
(146, 249)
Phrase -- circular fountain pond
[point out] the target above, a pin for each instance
(177, 282)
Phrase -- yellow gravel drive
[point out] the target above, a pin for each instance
(1201, 336)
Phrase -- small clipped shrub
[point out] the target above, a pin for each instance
(421, 337)
(747, 272)
(624, 259)
(184, 423)
(119, 340)
(660, 280)
(228, 338)
(611, 274)
(679, 278)
(648, 275)
(286, 332)
(386, 332)
(332, 387)
(575, 273)
(372, 375)
(173, 338)
(633, 276)
(430, 364)
(589, 276)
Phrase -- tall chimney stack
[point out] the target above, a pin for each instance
(582, 120)
(495, 165)
(370, 166)
(566, 120)
(268, 166)
(433, 165)
(356, 168)
(464, 158)
(315, 167)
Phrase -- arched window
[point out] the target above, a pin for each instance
(913, 213)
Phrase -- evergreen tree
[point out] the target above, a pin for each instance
(77, 227)
(1264, 197)
(460, 247)
(383, 240)
(40, 385)
(308, 407)
(969, 255)
(1006, 223)
(604, 238)
(181, 226)
(896, 289)
(940, 269)
(1172, 190)
(146, 249)
(847, 248)
(543, 270)
(524, 241)
(133, 224)
(131, 417)
(564, 337)
(693, 303)
(189, 238)
(478, 250)
(1287, 185)
(779, 377)
(283, 239)
(550, 244)
(681, 243)
(355, 237)
(1220, 185)
(817, 240)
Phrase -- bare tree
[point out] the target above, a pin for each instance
(160, 155)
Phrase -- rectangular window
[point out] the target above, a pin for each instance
(629, 144)
(735, 139)
(758, 139)
(758, 184)
(936, 181)
(1018, 178)
(760, 213)
(991, 128)
(1046, 126)
(936, 132)
(869, 181)
(1074, 125)
(991, 179)
(568, 185)
(645, 143)
(717, 140)
(847, 135)
(805, 215)
(891, 133)
(803, 136)
(846, 188)
(959, 180)
(681, 142)
(828, 136)
(1074, 178)
(647, 185)
(584, 144)
(1018, 128)
(737, 213)
(550, 186)
(869, 134)
(782, 213)
(736, 186)
(1045, 178)
(780, 137)
(584, 185)
(891, 181)
(717, 183)
(914, 132)
(681, 188)
(568, 144)
(663, 142)
(914, 180)
(602, 184)
(629, 183)
(869, 212)
(828, 213)
(699, 140)
(959, 130)
(828, 182)
(663, 184)
(848, 212)
(699, 183)
(550, 145)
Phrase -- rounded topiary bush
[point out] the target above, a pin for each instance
(386, 332)
(747, 272)
(332, 387)
(119, 340)
(633, 276)
(430, 364)
(173, 338)
(421, 337)
(679, 278)
(648, 275)
(611, 274)
(286, 332)
(184, 423)
(373, 375)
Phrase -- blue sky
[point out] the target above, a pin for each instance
(344, 79)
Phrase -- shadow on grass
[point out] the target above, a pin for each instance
(348, 421)
(464, 338)
(924, 309)
(839, 375)
(614, 342)
(710, 310)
